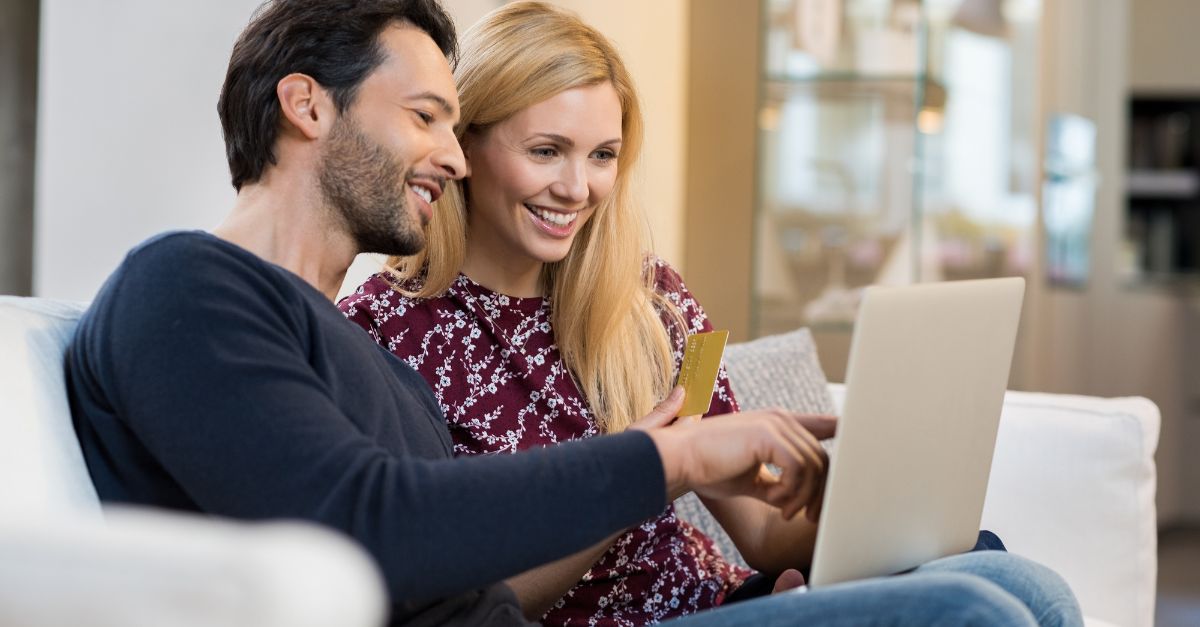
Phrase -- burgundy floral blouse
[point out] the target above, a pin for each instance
(495, 369)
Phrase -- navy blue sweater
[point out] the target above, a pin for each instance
(205, 379)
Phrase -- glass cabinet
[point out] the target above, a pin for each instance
(896, 143)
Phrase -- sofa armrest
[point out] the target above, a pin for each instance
(141, 568)
(1072, 487)
(42, 470)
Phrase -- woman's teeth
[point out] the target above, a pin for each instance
(553, 217)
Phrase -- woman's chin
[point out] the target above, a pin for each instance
(548, 252)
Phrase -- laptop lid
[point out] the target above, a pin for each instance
(925, 383)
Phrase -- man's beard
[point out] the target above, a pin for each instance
(362, 185)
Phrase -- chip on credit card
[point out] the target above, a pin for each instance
(698, 372)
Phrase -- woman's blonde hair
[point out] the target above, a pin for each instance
(605, 310)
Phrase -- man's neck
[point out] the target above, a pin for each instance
(287, 225)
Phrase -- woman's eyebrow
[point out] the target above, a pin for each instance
(570, 143)
(559, 139)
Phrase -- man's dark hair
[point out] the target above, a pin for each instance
(336, 42)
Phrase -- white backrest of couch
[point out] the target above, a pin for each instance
(41, 465)
(1072, 487)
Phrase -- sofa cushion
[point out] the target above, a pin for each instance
(1072, 486)
(779, 371)
(773, 371)
(41, 466)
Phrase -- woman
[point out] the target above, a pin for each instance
(537, 318)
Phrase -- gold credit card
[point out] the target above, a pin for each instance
(698, 372)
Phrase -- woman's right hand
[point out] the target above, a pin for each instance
(663, 414)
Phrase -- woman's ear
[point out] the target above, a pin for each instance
(305, 104)
(469, 141)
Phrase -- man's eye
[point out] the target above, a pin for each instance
(425, 117)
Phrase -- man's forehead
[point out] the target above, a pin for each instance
(416, 67)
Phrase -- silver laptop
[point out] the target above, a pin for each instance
(925, 383)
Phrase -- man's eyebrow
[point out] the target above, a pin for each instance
(445, 105)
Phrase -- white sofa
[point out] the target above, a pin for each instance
(1072, 486)
(64, 562)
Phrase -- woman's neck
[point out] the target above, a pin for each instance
(519, 277)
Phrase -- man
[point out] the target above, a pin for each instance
(213, 373)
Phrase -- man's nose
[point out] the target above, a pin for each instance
(449, 158)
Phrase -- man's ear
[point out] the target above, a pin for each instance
(305, 105)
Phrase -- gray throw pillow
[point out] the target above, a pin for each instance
(773, 371)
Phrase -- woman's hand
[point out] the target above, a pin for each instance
(663, 414)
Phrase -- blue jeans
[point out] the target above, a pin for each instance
(980, 588)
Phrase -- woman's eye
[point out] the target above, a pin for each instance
(544, 152)
(604, 155)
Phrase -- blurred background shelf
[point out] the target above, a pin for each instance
(1162, 222)
(891, 149)
(1163, 184)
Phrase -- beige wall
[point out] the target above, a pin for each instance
(1165, 49)
(467, 12)
(721, 179)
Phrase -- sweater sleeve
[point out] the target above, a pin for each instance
(206, 365)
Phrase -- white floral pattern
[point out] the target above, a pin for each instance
(495, 370)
